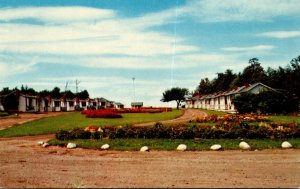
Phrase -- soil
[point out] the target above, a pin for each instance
(187, 116)
(23, 163)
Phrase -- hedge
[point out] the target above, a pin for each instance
(184, 131)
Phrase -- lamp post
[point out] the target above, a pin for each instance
(133, 89)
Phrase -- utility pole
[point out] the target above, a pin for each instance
(133, 89)
(77, 83)
(67, 83)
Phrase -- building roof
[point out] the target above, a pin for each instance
(136, 103)
(235, 90)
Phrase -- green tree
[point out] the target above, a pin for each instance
(55, 93)
(223, 80)
(83, 94)
(205, 86)
(27, 90)
(177, 94)
(253, 73)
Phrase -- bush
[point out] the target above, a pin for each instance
(79, 133)
(62, 135)
(238, 129)
(267, 102)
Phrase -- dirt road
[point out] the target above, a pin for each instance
(187, 116)
(25, 164)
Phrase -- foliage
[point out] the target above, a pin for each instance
(230, 127)
(55, 93)
(205, 87)
(267, 102)
(27, 90)
(281, 78)
(83, 94)
(177, 94)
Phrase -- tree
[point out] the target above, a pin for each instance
(177, 94)
(44, 93)
(223, 80)
(205, 86)
(55, 93)
(27, 90)
(83, 94)
(253, 73)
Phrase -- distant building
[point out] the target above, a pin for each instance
(223, 101)
(136, 104)
(16, 101)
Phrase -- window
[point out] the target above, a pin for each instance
(56, 103)
(83, 104)
(94, 103)
(71, 103)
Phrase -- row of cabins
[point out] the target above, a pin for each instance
(29, 103)
(223, 101)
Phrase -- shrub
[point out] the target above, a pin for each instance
(267, 102)
(79, 133)
(62, 135)
(234, 130)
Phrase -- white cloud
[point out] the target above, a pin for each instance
(280, 34)
(249, 49)
(105, 37)
(241, 10)
(55, 14)
(14, 68)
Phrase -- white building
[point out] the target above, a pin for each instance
(223, 101)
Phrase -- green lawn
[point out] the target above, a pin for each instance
(169, 144)
(285, 119)
(73, 120)
(278, 118)
(213, 112)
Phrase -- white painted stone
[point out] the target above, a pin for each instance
(182, 147)
(71, 145)
(244, 145)
(144, 149)
(286, 144)
(40, 142)
(46, 145)
(216, 147)
(105, 146)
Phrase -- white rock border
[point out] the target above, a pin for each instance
(181, 147)
(286, 145)
(105, 147)
(145, 149)
(216, 147)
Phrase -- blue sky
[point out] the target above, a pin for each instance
(162, 43)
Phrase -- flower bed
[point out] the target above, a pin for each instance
(184, 131)
(232, 118)
(144, 110)
(106, 113)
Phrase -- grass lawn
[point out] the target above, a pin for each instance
(285, 119)
(278, 118)
(73, 120)
(213, 112)
(169, 144)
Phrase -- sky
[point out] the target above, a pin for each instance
(104, 44)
